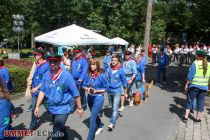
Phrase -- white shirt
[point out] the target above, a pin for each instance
(168, 52)
(177, 50)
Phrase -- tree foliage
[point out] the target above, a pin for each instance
(123, 18)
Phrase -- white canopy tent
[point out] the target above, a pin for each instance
(73, 35)
(119, 41)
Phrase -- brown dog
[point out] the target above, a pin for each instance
(143, 91)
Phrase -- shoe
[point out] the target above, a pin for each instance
(99, 131)
(192, 111)
(29, 108)
(121, 108)
(110, 127)
(131, 103)
(184, 119)
(197, 120)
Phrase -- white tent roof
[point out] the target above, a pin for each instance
(73, 35)
(119, 41)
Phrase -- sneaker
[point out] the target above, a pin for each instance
(121, 108)
(184, 119)
(110, 127)
(192, 111)
(29, 108)
(197, 120)
(99, 131)
(131, 103)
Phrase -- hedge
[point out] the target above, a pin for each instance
(19, 77)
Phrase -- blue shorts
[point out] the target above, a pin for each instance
(199, 94)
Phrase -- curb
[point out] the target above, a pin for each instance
(17, 96)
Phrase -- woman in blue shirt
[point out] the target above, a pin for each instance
(6, 109)
(197, 85)
(95, 84)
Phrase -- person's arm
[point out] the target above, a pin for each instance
(190, 76)
(38, 103)
(79, 106)
(71, 86)
(36, 88)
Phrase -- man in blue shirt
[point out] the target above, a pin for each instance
(79, 69)
(59, 88)
(163, 62)
(107, 60)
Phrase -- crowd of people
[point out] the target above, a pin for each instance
(61, 82)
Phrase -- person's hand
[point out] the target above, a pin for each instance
(92, 91)
(143, 81)
(130, 82)
(186, 89)
(80, 111)
(36, 112)
(34, 90)
(125, 95)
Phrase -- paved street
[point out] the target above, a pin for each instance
(156, 119)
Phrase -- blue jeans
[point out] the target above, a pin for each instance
(59, 121)
(199, 94)
(33, 123)
(95, 121)
(115, 101)
(163, 71)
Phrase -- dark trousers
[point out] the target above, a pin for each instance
(83, 96)
(176, 58)
(154, 58)
(163, 72)
(59, 121)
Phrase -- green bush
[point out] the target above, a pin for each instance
(19, 78)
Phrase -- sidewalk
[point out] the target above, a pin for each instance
(195, 131)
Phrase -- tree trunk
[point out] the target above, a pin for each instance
(32, 40)
(148, 26)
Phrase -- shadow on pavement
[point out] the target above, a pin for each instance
(44, 118)
(175, 77)
(87, 122)
(178, 107)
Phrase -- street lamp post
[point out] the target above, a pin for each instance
(18, 22)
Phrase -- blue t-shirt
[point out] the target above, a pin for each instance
(106, 61)
(129, 68)
(117, 80)
(163, 61)
(140, 71)
(98, 83)
(38, 75)
(59, 93)
(5, 77)
(79, 70)
(5, 116)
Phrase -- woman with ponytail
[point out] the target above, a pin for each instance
(197, 85)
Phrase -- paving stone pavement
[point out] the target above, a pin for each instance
(195, 131)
